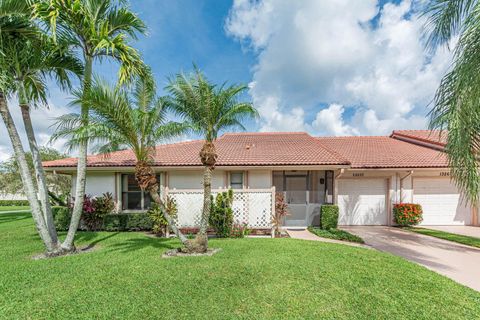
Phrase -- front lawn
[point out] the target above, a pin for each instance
(249, 279)
(14, 208)
(469, 241)
(336, 234)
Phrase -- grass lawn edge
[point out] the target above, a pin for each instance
(336, 234)
(448, 236)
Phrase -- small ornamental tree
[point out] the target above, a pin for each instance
(221, 214)
(281, 211)
(407, 214)
(160, 223)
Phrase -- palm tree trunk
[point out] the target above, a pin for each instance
(68, 244)
(202, 238)
(37, 165)
(158, 200)
(50, 245)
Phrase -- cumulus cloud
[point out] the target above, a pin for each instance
(334, 53)
(43, 119)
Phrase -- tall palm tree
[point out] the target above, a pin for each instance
(27, 60)
(121, 119)
(208, 109)
(456, 102)
(96, 29)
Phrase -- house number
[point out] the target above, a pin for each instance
(358, 174)
(444, 174)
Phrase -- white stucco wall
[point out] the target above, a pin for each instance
(259, 179)
(193, 179)
(97, 183)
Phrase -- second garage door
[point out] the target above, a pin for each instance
(362, 201)
(440, 201)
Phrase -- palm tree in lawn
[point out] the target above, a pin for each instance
(456, 102)
(27, 59)
(122, 119)
(96, 29)
(208, 109)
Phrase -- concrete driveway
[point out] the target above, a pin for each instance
(462, 230)
(458, 262)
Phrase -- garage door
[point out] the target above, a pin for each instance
(441, 202)
(362, 201)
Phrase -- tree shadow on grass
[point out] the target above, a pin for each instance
(134, 244)
(10, 217)
(89, 236)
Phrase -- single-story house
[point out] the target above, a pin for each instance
(364, 175)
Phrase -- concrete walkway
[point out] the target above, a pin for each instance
(463, 230)
(456, 261)
(304, 234)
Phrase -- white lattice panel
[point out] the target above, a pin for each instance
(253, 207)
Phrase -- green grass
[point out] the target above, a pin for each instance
(336, 234)
(13, 208)
(469, 241)
(250, 279)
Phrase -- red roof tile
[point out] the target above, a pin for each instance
(435, 138)
(384, 152)
(251, 149)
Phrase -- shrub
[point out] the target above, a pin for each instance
(239, 230)
(16, 203)
(407, 214)
(281, 211)
(127, 222)
(139, 222)
(221, 214)
(160, 224)
(61, 217)
(329, 216)
(95, 210)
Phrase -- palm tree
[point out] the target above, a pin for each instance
(456, 102)
(120, 119)
(27, 59)
(96, 29)
(208, 109)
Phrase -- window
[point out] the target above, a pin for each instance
(236, 180)
(133, 198)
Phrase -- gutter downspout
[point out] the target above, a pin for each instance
(401, 184)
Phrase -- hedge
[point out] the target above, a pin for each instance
(407, 214)
(111, 222)
(11, 203)
(328, 216)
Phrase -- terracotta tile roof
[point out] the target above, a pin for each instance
(384, 152)
(252, 149)
(435, 138)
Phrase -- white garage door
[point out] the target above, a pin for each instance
(441, 202)
(362, 201)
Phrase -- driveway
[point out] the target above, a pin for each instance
(458, 262)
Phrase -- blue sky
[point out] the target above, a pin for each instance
(330, 67)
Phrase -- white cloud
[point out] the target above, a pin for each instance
(330, 121)
(42, 118)
(338, 52)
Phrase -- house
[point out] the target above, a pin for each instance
(365, 176)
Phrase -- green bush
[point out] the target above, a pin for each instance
(127, 222)
(61, 218)
(12, 203)
(139, 222)
(329, 216)
(94, 213)
(407, 214)
(221, 214)
(160, 224)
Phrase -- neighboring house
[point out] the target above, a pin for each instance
(365, 176)
(8, 196)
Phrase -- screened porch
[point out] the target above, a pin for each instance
(305, 192)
